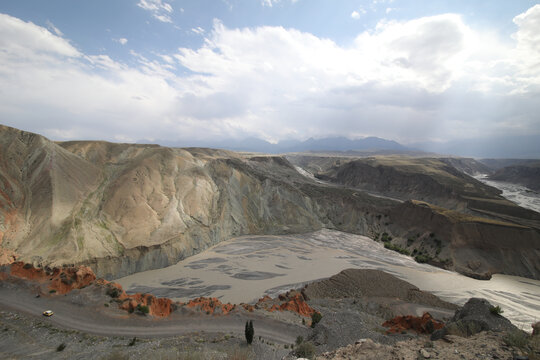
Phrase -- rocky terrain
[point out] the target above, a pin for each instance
(358, 319)
(125, 208)
(527, 175)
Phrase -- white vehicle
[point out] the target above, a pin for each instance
(48, 313)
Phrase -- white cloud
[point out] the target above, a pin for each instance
(53, 28)
(389, 10)
(433, 77)
(270, 3)
(355, 15)
(122, 41)
(528, 41)
(19, 37)
(159, 9)
(198, 30)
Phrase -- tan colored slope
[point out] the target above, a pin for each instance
(124, 208)
(43, 186)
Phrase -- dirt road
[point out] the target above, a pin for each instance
(72, 313)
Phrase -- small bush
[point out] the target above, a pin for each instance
(143, 309)
(133, 341)
(61, 347)
(299, 340)
(315, 318)
(422, 258)
(52, 291)
(496, 310)
(516, 338)
(113, 292)
(305, 350)
(396, 248)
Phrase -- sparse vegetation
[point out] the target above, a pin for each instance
(390, 246)
(315, 318)
(113, 292)
(385, 237)
(299, 340)
(421, 258)
(61, 347)
(496, 310)
(143, 309)
(132, 342)
(517, 338)
(305, 350)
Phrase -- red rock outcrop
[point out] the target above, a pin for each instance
(60, 280)
(290, 301)
(211, 305)
(422, 325)
(160, 307)
(63, 280)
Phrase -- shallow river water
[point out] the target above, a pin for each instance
(518, 194)
(245, 268)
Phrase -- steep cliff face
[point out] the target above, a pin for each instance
(124, 208)
(433, 180)
(527, 175)
(470, 245)
(41, 187)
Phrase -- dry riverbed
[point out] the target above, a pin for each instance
(244, 268)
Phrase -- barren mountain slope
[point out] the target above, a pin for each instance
(527, 175)
(433, 180)
(124, 208)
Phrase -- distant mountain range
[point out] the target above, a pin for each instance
(288, 146)
(509, 147)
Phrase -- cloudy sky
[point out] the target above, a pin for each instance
(404, 70)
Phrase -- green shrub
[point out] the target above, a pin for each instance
(396, 248)
(52, 291)
(496, 310)
(133, 341)
(305, 350)
(516, 338)
(143, 309)
(315, 318)
(113, 292)
(61, 347)
(422, 258)
(299, 340)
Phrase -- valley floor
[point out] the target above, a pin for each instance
(245, 268)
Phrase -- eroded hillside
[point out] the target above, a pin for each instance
(124, 208)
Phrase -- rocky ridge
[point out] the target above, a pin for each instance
(60, 281)
(125, 208)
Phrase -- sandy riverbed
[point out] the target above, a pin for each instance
(245, 268)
